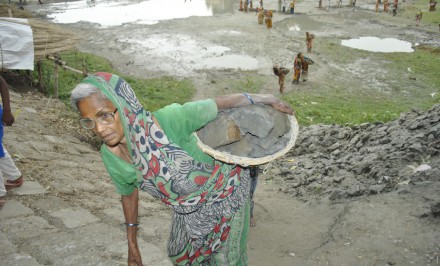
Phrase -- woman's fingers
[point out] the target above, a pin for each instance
(283, 107)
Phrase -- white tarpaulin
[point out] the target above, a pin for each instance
(16, 44)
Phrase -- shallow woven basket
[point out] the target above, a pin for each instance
(247, 161)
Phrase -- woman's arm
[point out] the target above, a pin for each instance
(240, 100)
(130, 207)
(8, 118)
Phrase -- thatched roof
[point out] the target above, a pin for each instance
(49, 38)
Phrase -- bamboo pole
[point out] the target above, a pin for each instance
(64, 65)
(55, 79)
(40, 75)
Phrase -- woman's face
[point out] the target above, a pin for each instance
(92, 108)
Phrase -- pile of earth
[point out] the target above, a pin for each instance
(337, 162)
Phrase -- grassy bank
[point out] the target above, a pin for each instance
(393, 83)
(328, 103)
(152, 93)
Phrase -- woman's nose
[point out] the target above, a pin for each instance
(98, 128)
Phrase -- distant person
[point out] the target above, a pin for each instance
(261, 4)
(419, 17)
(260, 16)
(432, 4)
(320, 4)
(309, 41)
(284, 6)
(300, 66)
(376, 8)
(292, 7)
(241, 5)
(279, 5)
(281, 72)
(268, 20)
(385, 6)
(8, 169)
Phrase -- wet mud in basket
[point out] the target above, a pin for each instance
(253, 131)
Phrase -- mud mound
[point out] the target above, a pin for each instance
(341, 162)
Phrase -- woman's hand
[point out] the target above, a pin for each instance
(282, 107)
(275, 102)
(8, 118)
(130, 207)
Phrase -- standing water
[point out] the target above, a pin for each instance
(374, 44)
(114, 13)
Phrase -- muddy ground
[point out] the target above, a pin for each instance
(296, 225)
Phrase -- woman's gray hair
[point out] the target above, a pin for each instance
(82, 91)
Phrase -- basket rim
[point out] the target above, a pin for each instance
(248, 161)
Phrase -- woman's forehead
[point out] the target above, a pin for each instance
(94, 102)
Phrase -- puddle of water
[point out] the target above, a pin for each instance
(374, 44)
(294, 28)
(111, 13)
(229, 32)
(232, 61)
(188, 53)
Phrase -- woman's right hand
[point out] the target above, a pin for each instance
(130, 207)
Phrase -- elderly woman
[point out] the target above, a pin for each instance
(157, 153)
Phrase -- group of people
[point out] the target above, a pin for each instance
(247, 5)
(262, 14)
(265, 16)
(351, 3)
(386, 5)
(282, 6)
(300, 65)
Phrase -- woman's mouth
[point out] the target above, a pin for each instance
(107, 137)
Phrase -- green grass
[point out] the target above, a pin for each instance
(152, 93)
(248, 82)
(335, 108)
(342, 103)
